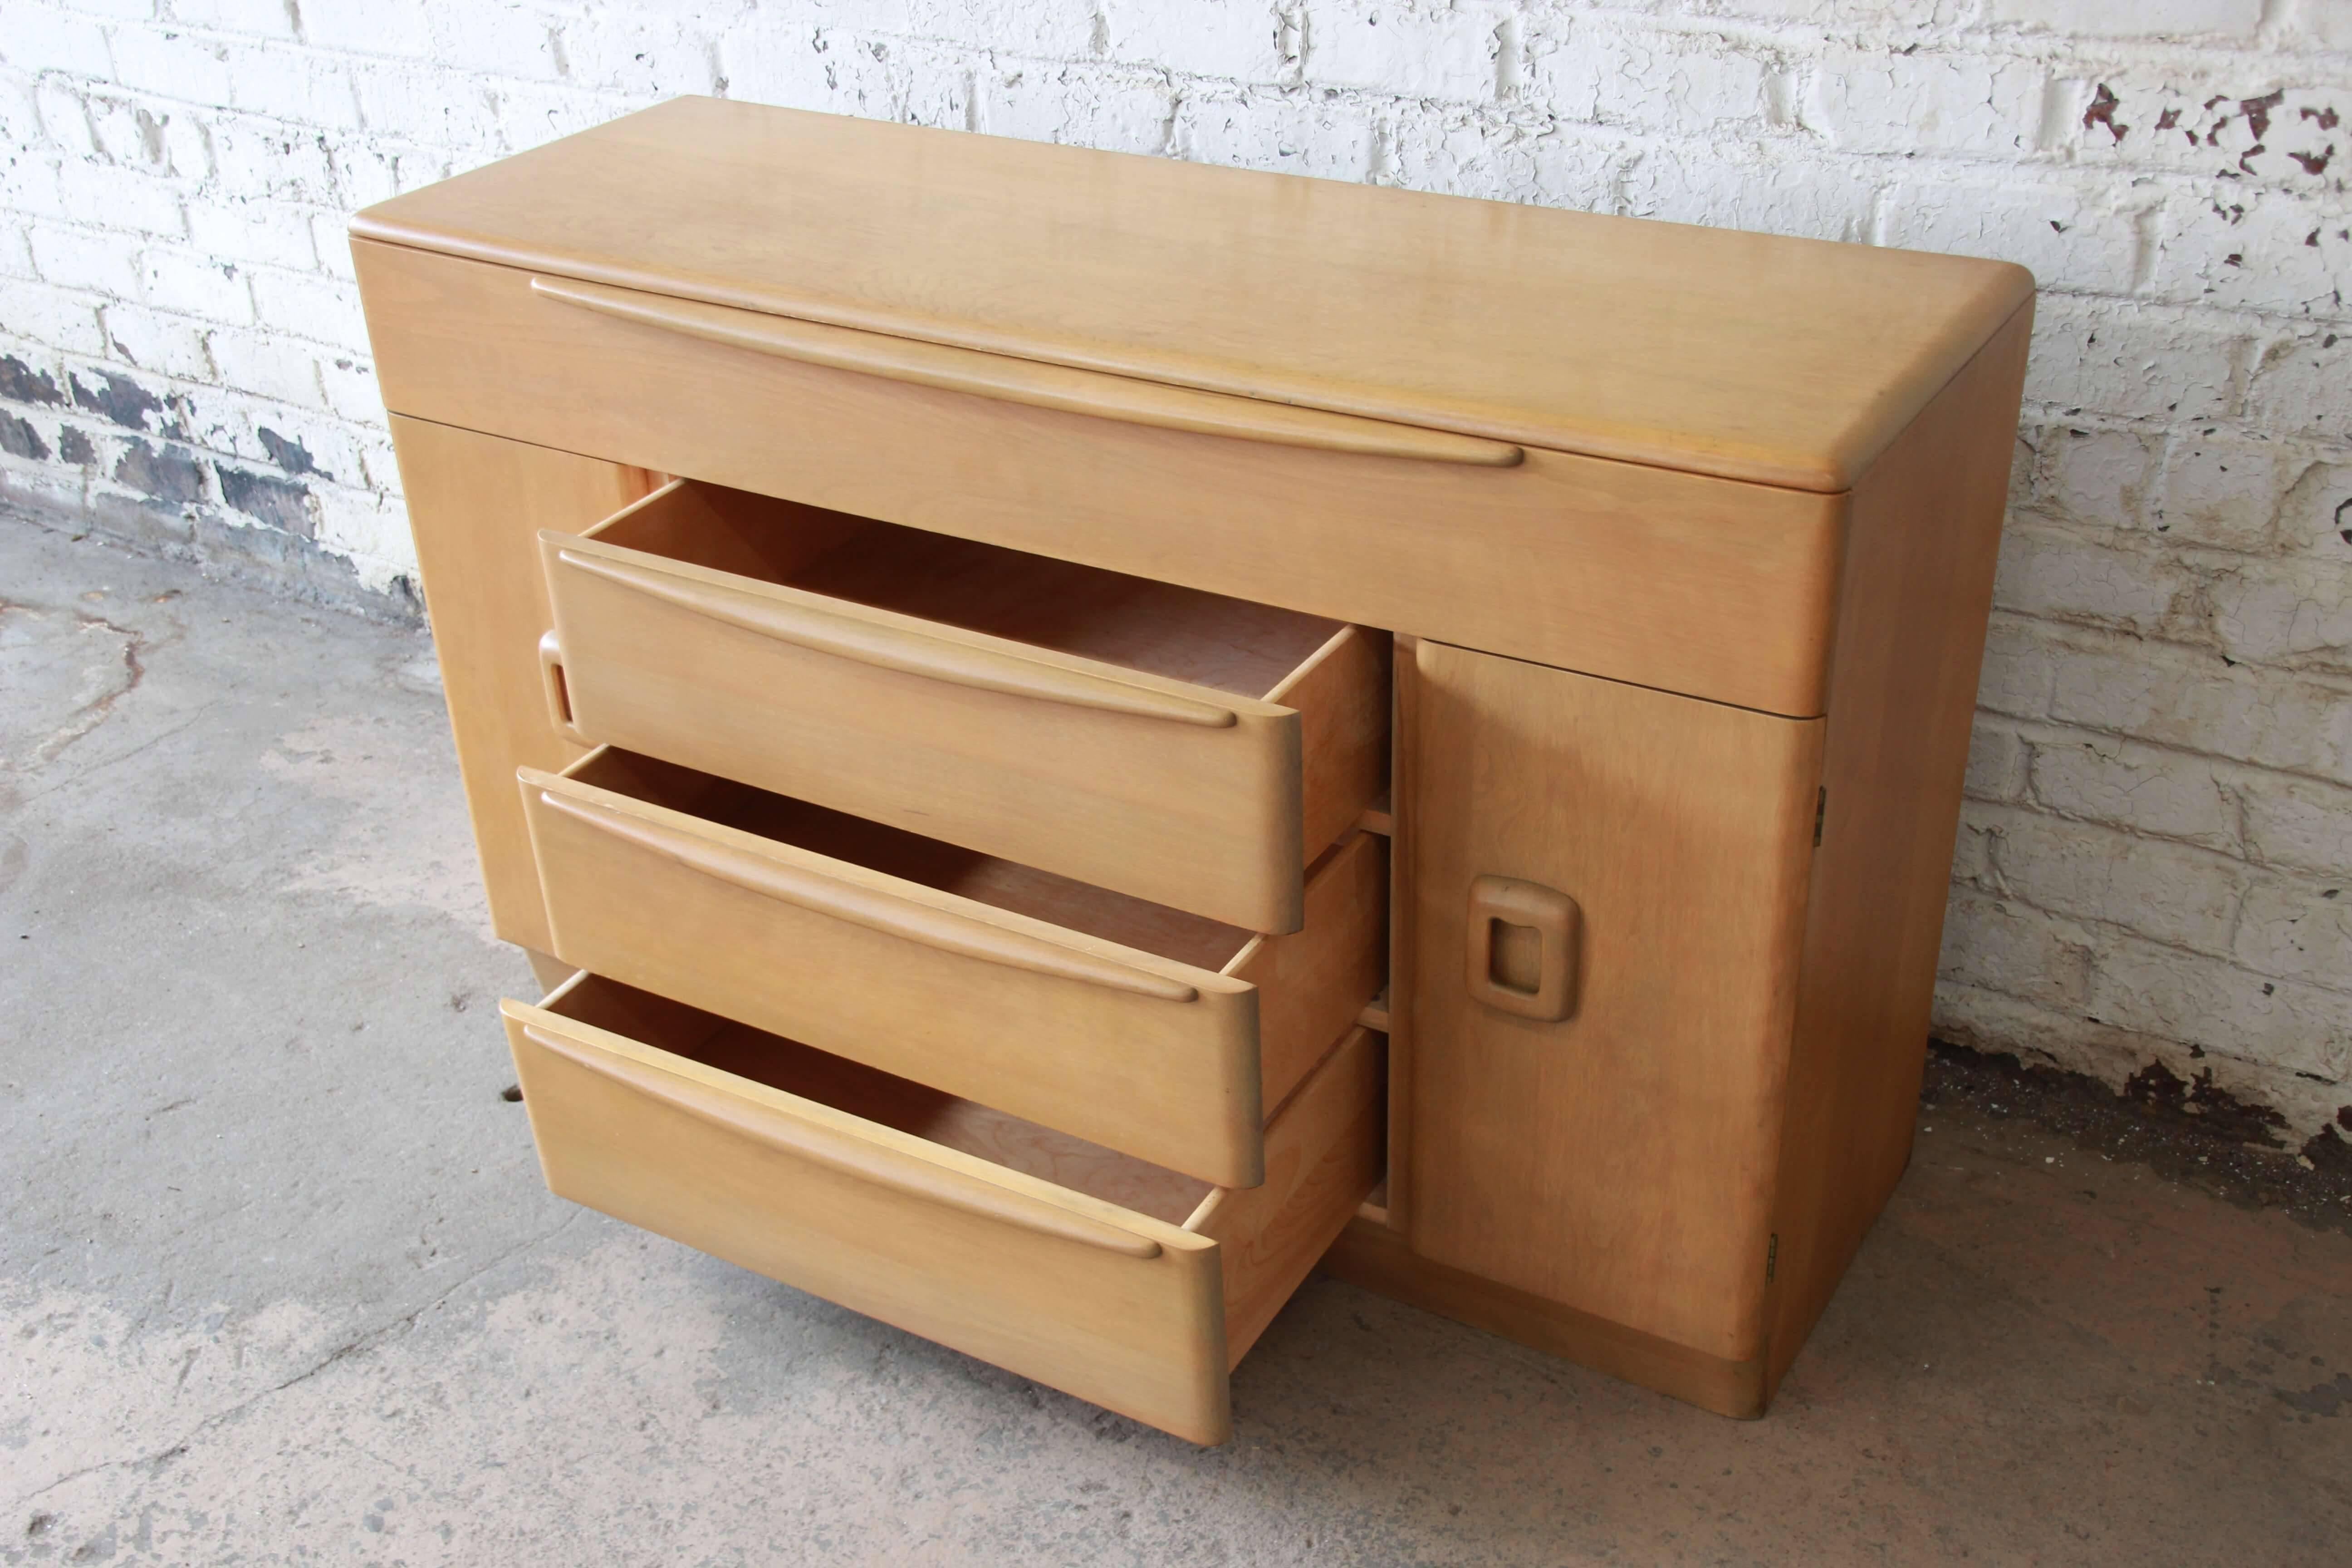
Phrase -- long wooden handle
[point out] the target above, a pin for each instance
(845, 1153)
(895, 648)
(1096, 394)
(878, 912)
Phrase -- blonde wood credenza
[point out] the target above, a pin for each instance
(1074, 734)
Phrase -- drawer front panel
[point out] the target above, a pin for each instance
(1711, 586)
(1155, 1057)
(1043, 1282)
(1085, 1293)
(1185, 796)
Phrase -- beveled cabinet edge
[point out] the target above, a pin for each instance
(1914, 606)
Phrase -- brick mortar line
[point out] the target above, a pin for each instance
(105, 302)
(181, 382)
(1972, 42)
(80, 415)
(265, 467)
(2226, 954)
(2274, 322)
(1176, 78)
(2060, 732)
(2053, 172)
(2219, 858)
(2194, 1050)
(2125, 539)
(2338, 682)
(2058, 727)
(2095, 925)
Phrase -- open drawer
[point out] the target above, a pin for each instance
(1162, 1034)
(1105, 1277)
(1189, 748)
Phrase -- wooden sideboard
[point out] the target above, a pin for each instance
(1073, 735)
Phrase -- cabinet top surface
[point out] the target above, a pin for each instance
(1785, 362)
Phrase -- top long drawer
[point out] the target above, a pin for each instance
(1713, 587)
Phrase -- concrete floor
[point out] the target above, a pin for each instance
(278, 1282)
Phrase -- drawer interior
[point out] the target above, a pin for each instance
(880, 1097)
(986, 879)
(1183, 634)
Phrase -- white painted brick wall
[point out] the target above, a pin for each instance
(2156, 862)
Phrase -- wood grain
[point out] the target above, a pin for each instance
(1322, 1156)
(1621, 1161)
(1372, 1255)
(1408, 754)
(1341, 694)
(548, 970)
(1312, 984)
(822, 689)
(1089, 1271)
(1108, 618)
(1681, 580)
(1785, 362)
(476, 504)
(1143, 1336)
(1910, 641)
(1155, 446)
(947, 986)
(1026, 381)
(950, 1122)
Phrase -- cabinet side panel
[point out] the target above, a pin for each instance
(476, 504)
(1925, 532)
(1618, 1161)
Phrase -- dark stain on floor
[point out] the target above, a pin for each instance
(2185, 1129)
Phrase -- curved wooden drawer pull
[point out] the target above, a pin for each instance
(875, 910)
(846, 1155)
(1098, 393)
(895, 648)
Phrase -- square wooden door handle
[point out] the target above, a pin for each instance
(1553, 917)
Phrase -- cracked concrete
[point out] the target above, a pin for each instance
(278, 1282)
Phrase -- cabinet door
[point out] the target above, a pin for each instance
(1618, 1158)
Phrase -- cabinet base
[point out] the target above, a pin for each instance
(1370, 1254)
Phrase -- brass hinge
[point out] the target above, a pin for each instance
(1821, 811)
(1772, 1258)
